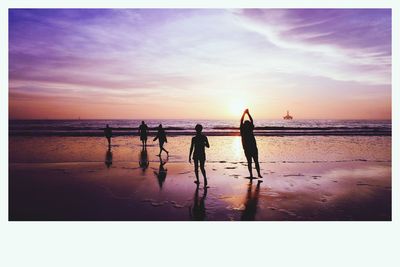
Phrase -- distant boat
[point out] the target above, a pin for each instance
(287, 117)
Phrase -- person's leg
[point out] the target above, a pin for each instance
(196, 170)
(248, 157)
(203, 170)
(257, 164)
(166, 151)
(160, 145)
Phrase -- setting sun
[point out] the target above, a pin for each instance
(236, 108)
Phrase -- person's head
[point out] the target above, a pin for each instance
(142, 122)
(107, 126)
(198, 128)
(160, 126)
(247, 124)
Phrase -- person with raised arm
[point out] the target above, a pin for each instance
(249, 143)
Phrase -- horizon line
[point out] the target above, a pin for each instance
(196, 119)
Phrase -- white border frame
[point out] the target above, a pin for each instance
(198, 244)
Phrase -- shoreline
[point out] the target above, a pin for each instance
(305, 178)
(169, 133)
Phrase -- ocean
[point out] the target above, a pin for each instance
(211, 127)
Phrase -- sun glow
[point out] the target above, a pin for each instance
(236, 108)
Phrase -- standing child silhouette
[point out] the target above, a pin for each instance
(108, 134)
(249, 143)
(143, 131)
(199, 143)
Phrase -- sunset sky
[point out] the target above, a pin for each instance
(199, 63)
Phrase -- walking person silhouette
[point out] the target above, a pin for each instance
(143, 131)
(162, 138)
(199, 143)
(249, 143)
(108, 134)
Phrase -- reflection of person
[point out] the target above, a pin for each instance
(143, 131)
(249, 143)
(108, 134)
(161, 174)
(143, 159)
(199, 143)
(250, 211)
(162, 138)
(109, 158)
(197, 212)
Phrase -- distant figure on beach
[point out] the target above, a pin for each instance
(109, 158)
(108, 134)
(250, 210)
(162, 138)
(197, 212)
(143, 132)
(249, 143)
(143, 159)
(162, 173)
(199, 143)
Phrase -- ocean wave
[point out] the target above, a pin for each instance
(211, 127)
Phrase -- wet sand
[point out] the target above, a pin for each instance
(305, 178)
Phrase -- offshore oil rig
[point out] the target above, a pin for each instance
(287, 117)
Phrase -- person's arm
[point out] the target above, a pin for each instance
(242, 118)
(138, 130)
(207, 144)
(155, 138)
(191, 150)
(251, 119)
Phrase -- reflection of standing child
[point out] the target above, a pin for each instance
(108, 134)
(162, 138)
(199, 143)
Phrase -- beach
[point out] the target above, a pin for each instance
(304, 178)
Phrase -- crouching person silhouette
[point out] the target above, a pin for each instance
(199, 143)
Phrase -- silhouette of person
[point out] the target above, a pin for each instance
(162, 138)
(161, 174)
(108, 134)
(143, 160)
(197, 212)
(249, 143)
(199, 143)
(250, 211)
(143, 132)
(109, 158)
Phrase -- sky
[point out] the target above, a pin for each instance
(199, 63)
